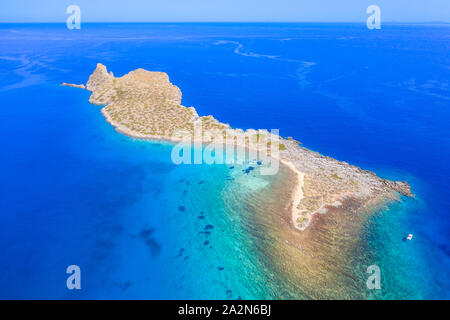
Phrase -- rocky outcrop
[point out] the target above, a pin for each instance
(81, 86)
(99, 79)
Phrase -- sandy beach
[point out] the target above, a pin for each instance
(297, 194)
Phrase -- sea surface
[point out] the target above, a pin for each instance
(73, 191)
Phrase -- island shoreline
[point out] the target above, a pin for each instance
(321, 181)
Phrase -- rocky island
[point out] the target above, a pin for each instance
(144, 104)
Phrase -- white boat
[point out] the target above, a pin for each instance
(410, 236)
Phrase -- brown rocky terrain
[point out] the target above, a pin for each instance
(145, 104)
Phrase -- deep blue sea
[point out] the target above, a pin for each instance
(75, 191)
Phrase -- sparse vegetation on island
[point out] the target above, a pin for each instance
(145, 104)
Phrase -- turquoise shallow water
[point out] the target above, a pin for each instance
(74, 191)
(136, 224)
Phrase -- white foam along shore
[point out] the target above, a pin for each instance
(145, 105)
